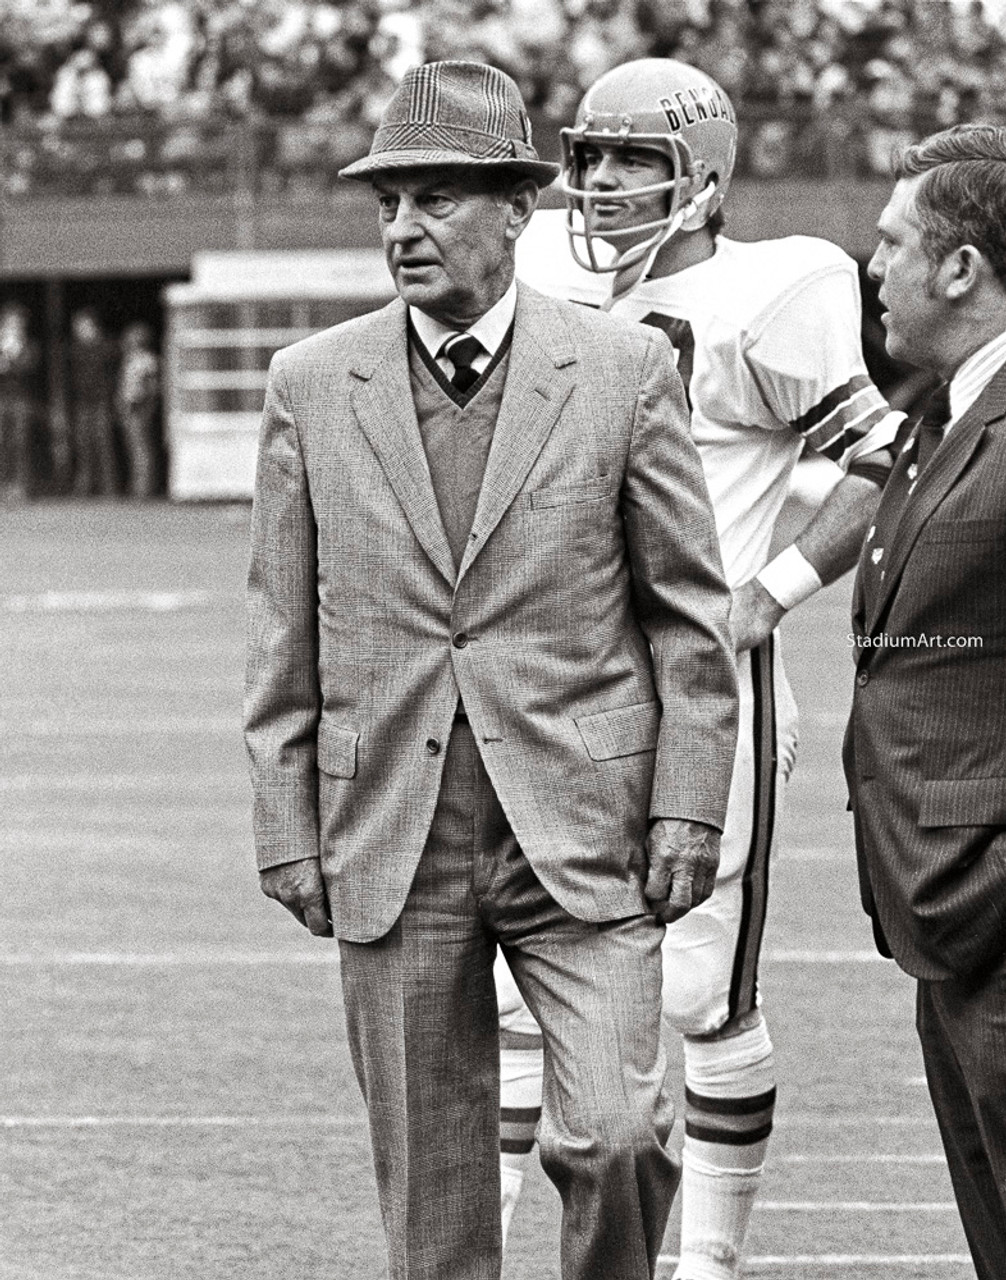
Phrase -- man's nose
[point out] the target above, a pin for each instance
(873, 268)
(604, 175)
(405, 224)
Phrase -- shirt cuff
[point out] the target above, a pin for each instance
(790, 578)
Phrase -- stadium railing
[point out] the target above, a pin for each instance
(145, 156)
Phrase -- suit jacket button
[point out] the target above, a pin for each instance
(863, 679)
(433, 746)
(460, 639)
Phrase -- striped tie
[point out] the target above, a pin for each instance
(461, 349)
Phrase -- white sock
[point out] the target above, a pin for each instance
(520, 1110)
(730, 1096)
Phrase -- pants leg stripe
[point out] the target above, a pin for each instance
(744, 981)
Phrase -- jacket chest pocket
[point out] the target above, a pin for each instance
(570, 496)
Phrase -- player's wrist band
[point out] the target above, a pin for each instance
(790, 578)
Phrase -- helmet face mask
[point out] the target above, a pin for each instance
(659, 105)
(582, 234)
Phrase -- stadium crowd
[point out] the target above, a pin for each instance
(204, 96)
(826, 86)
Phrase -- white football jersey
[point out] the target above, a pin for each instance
(767, 342)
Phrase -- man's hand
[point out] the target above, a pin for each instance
(301, 889)
(754, 615)
(684, 856)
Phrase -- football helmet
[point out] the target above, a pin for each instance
(665, 106)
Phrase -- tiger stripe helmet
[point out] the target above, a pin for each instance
(665, 106)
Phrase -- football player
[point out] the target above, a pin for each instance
(767, 340)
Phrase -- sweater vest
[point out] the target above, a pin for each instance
(457, 432)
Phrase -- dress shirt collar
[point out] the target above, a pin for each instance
(490, 329)
(974, 375)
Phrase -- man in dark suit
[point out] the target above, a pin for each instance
(925, 752)
(491, 695)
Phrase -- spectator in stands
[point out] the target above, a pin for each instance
(161, 44)
(81, 87)
(92, 371)
(19, 364)
(137, 393)
(827, 85)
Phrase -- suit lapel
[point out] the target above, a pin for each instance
(383, 404)
(540, 378)
(869, 576)
(935, 482)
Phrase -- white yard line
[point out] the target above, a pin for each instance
(845, 1259)
(358, 1121)
(780, 955)
(100, 784)
(856, 1206)
(167, 958)
(183, 1122)
(107, 601)
(84, 724)
(872, 1157)
(818, 1121)
(273, 957)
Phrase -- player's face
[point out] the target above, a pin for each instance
(618, 171)
(913, 309)
(449, 248)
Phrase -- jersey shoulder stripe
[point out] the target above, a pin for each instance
(832, 402)
(845, 415)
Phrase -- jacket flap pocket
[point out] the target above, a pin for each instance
(963, 802)
(337, 750)
(560, 495)
(623, 731)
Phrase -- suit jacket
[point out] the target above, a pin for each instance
(925, 752)
(586, 628)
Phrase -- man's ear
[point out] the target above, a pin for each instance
(521, 203)
(962, 271)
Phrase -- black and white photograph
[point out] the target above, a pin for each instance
(503, 632)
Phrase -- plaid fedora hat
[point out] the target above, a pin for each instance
(454, 113)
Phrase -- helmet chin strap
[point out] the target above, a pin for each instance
(627, 277)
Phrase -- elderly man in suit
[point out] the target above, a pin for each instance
(490, 693)
(926, 746)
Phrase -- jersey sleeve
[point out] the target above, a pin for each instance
(806, 356)
(543, 260)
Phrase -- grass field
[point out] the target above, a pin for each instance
(177, 1101)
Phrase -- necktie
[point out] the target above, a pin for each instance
(932, 424)
(461, 349)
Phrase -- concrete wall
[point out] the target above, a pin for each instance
(63, 237)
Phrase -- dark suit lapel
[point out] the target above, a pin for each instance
(540, 378)
(934, 484)
(871, 573)
(859, 601)
(383, 404)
